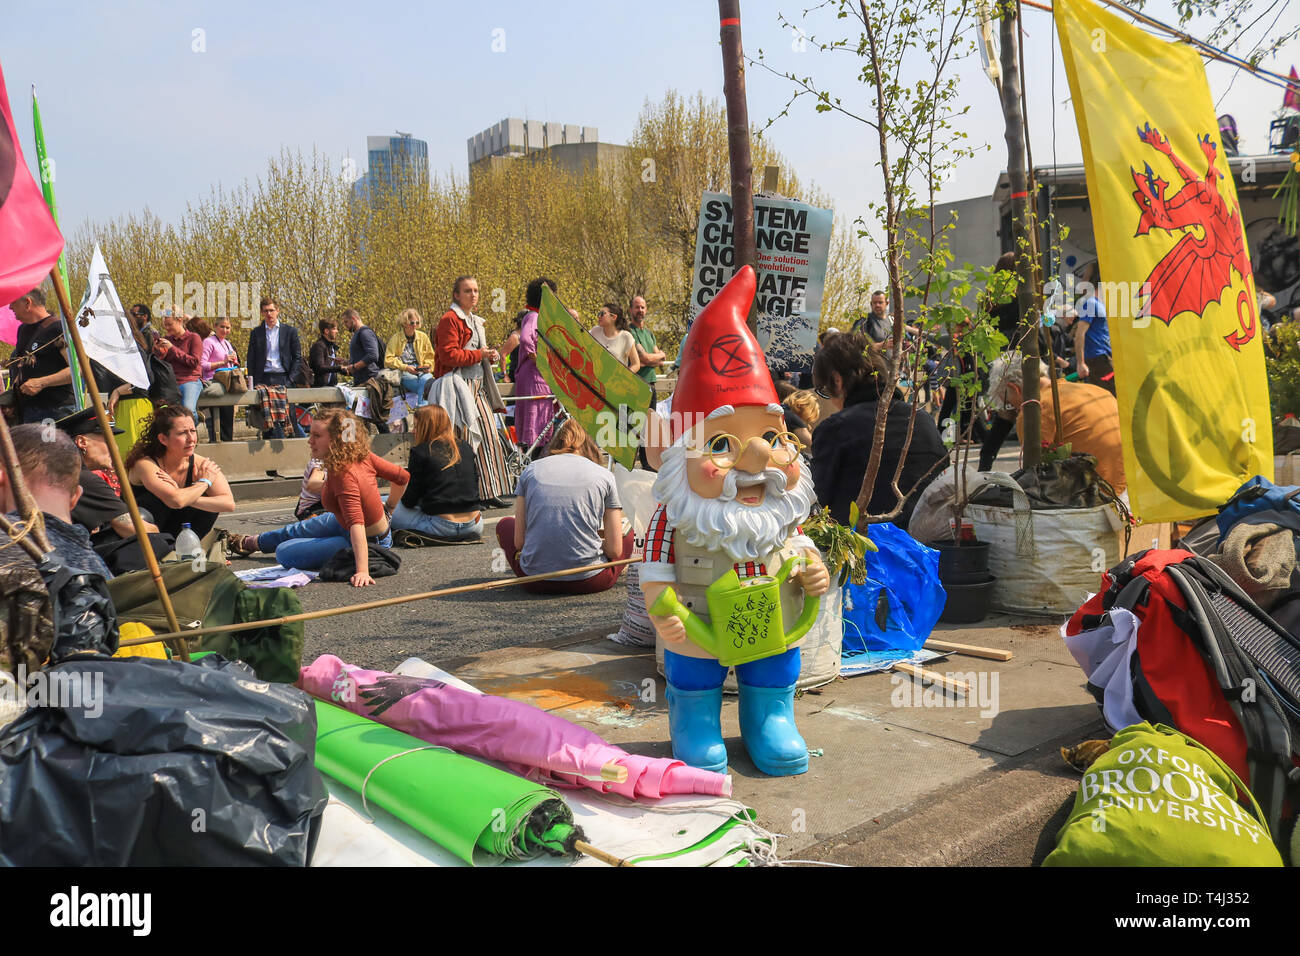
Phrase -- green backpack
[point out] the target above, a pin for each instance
(212, 597)
(1159, 798)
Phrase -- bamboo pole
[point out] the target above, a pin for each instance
(372, 605)
(128, 496)
(597, 854)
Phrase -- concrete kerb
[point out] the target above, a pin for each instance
(997, 818)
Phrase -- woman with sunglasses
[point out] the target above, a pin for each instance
(411, 353)
(849, 376)
(611, 331)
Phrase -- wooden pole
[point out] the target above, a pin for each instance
(128, 496)
(742, 169)
(385, 602)
(970, 650)
(602, 855)
(934, 677)
(1013, 116)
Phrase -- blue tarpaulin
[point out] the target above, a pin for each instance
(898, 606)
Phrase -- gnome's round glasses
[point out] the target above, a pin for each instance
(724, 450)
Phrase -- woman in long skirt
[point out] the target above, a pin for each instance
(460, 346)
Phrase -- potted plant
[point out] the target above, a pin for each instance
(975, 343)
(844, 552)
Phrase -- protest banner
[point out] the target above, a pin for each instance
(793, 245)
(1180, 294)
(608, 400)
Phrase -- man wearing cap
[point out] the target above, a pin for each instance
(100, 509)
(732, 493)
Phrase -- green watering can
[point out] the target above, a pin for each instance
(746, 621)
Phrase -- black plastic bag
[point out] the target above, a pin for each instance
(149, 762)
(84, 618)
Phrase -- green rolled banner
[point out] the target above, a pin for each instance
(456, 801)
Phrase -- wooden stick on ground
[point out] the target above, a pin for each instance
(595, 854)
(371, 605)
(128, 496)
(970, 650)
(943, 680)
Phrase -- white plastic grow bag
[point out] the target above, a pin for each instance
(1046, 561)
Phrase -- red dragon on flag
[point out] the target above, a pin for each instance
(1199, 267)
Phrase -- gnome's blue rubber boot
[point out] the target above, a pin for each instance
(767, 715)
(695, 710)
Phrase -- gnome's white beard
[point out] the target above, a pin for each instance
(744, 532)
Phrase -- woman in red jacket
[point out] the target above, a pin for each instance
(355, 515)
(183, 351)
(460, 345)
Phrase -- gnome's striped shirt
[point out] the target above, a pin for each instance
(658, 558)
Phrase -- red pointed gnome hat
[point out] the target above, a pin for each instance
(721, 362)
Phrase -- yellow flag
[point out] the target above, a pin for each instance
(1176, 278)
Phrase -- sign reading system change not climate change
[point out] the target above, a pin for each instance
(793, 241)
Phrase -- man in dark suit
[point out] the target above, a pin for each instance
(274, 354)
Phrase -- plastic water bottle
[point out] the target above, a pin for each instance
(188, 545)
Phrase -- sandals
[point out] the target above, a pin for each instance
(242, 545)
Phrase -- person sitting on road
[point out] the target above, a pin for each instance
(441, 500)
(567, 515)
(1089, 415)
(51, 466)
(849, 374)
(175, 485)
(355, 514)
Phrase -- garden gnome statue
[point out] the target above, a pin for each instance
(731, 493)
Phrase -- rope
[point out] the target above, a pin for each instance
(1268, 76)
(365, 805)
(24, 529)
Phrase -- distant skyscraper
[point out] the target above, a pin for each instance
(393, 160)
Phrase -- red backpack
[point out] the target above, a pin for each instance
(1210, 663)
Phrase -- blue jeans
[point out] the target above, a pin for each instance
(417, 384)
(190, 392)
(413, 519)
(307, 545)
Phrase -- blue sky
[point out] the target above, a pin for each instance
(135, 117)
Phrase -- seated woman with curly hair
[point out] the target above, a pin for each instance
(355, 515)
(172, 484)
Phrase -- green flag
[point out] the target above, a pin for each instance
(47, 189)
(599, 391)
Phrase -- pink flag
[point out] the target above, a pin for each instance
(529, 741)
(1291, 99)
(30, 242)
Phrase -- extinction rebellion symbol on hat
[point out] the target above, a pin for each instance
(725, 357)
